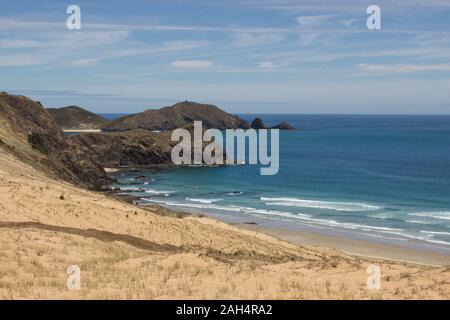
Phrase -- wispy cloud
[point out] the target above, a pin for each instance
(348, 22)
(272, 64)
(190, 64)
(84, 62)
(403, 68)
(312, 20)
(249, 39)
(18, 60)
(266, 64)
(80, 48)
(307, 38)
(17, 25)
(19, 44)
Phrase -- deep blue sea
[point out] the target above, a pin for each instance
(382, 178)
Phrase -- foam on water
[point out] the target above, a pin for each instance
(228, 208)
(159, 192)
(339, 206)
(200, 200)
(442, 215)
(436, 233)
(308, 219)
(300, 216)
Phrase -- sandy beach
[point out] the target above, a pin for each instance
(127, 252)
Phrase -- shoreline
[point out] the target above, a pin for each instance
(353, 247)
(345, 245)
(82, 130)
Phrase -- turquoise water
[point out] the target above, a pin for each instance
(382, 178)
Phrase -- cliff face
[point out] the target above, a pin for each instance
(74, 117)
(31, 134)
(124, 149)
(177, 116)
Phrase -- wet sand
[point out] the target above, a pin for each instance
(356, 247)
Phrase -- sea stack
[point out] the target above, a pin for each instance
(258, 124)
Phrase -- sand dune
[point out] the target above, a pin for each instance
(127, 252)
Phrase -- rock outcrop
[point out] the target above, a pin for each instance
(283, 126)
(177, 116)
(258, 124)
(73, 118)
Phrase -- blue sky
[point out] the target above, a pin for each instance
(249, 56)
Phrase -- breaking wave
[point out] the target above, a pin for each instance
(339, 206)
(200, 200)
(442, 215)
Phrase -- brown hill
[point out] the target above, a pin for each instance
(74, 117)
(31, 134)
(177, 116)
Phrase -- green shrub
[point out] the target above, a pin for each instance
(36, 142)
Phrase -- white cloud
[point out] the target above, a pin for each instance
(266, 65)
(271, 64)
(250, 40)
(62, 39)
(18, 60)
(6, 24)
(308, 38)
(403, 68)
(312, 20)
(192, 64)
(348, 22)
(84, 62)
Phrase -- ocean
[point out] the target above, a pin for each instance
(380, 178)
